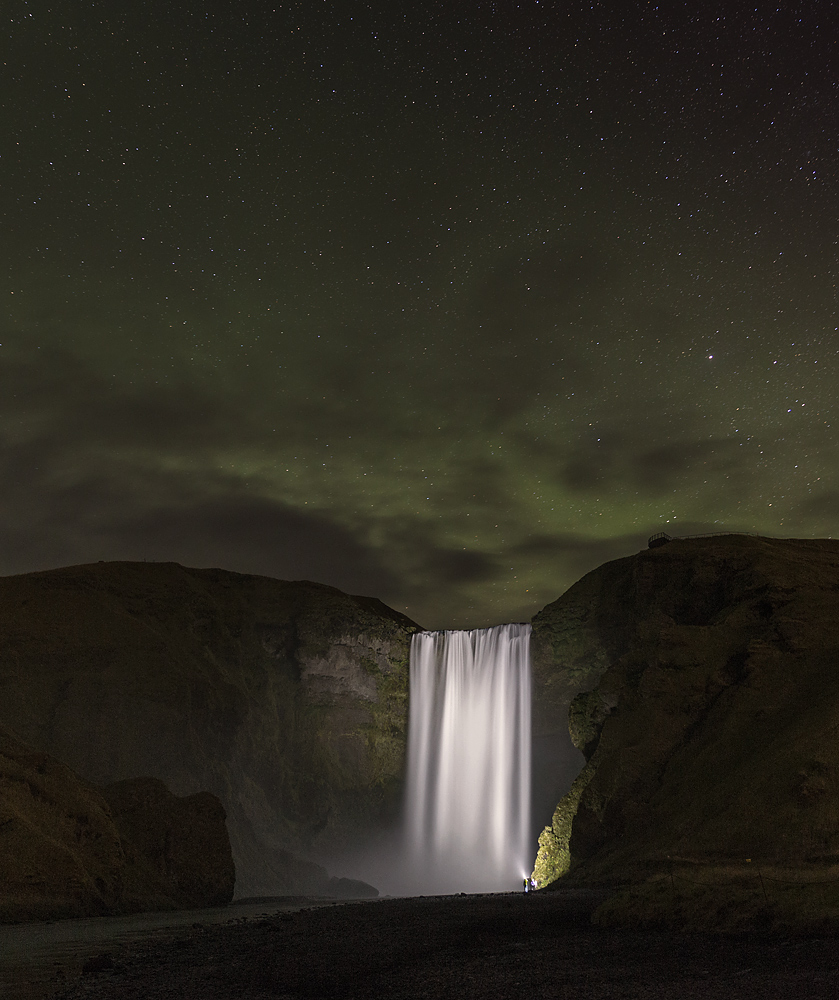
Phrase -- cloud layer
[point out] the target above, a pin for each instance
(445, 323)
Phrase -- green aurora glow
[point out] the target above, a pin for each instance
(448, 309)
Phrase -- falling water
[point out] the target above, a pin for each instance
(468, 788)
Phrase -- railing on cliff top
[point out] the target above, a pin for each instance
(662, 538)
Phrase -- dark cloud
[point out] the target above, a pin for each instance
(259, 536)
(588, 473)
(621, 460)
(97, 470)
(815, 514)
(559, 282)
(665, 466)
(194, 523)
(452, 337)
(69, 403)
(452, 566)
(577, 554)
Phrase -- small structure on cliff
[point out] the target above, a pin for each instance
(662, 538)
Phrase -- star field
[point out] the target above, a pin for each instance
(446, 305)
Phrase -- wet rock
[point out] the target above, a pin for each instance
(351, 888)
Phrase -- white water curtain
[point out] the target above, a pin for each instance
(468, 784)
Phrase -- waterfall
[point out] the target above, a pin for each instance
(468, 782)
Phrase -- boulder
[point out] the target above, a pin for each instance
(180, 844)
(351, 888)
(66, 851)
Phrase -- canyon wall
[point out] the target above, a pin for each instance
(710, 731)
(288, 701)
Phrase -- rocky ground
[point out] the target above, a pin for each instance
(499, 946)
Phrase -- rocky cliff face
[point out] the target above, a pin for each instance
(573, 641)
(577, 637)
(286, 700)
(69, 849)
(711, 734)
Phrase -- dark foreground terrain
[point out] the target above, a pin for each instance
(498, 946)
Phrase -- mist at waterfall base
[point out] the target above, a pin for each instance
(479, 786)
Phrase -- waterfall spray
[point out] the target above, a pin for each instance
(468, 786)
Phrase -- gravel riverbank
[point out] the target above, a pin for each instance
(488, 947)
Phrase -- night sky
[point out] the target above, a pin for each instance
(447, 303)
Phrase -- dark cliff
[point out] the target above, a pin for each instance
(285, 700)
(710, 738)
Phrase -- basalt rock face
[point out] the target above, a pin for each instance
(69, 849)
(288, 701)
(711, 736)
